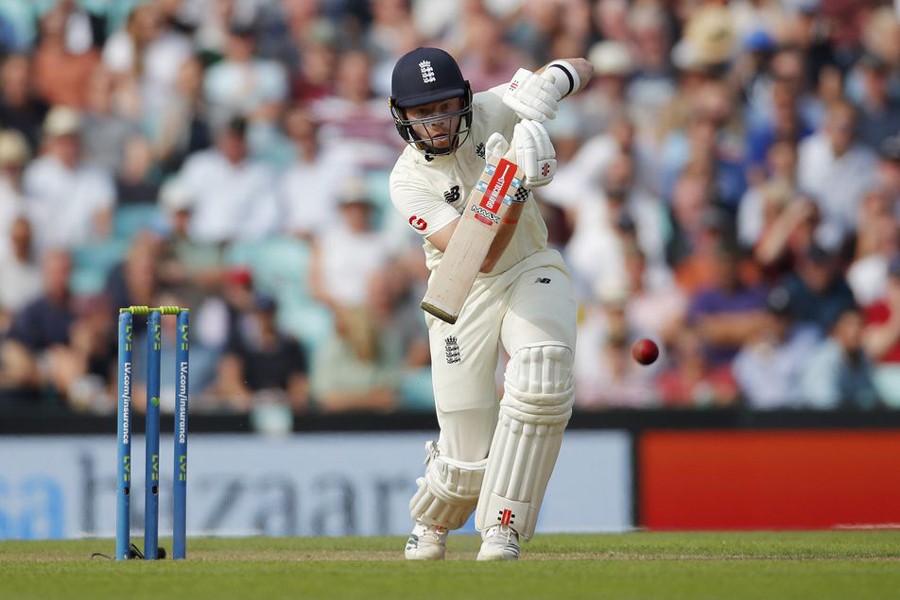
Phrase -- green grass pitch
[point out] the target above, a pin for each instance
(729, 565)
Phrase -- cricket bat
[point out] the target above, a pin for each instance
(489, 201)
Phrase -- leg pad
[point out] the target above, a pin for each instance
(448, 492)
(534, 412)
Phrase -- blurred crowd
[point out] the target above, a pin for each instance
(729, 186)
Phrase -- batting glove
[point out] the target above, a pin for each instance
(531, 96)
(535, 154)
(496, 146)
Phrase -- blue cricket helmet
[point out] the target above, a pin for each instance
(423, 76)
(426, 75)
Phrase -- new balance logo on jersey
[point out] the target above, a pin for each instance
(451, 349)
(427, 71)
(452, 195)
(479, 150)
(543, 280)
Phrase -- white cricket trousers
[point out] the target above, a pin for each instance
(531, 303)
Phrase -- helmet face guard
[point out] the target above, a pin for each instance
(426, 142)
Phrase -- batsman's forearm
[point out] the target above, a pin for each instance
(504, 235)
(581, 71)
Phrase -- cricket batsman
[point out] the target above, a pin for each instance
(494, 456)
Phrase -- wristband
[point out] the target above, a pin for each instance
(567, 80)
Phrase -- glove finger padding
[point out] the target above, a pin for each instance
(532, 96)
(534, 153)
(496, 146)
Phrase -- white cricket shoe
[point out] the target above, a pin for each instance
(499, 543)
(426, 542)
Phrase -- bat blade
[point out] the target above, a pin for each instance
(488, 203)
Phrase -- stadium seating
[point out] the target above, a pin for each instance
(128, 219)
(280, 267)
(91, 264)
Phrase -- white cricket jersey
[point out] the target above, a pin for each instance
(430, 194)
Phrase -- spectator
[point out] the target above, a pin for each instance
(757, 45)
(105, 131)
(599, 219)
(59, 69)
(285, 27)
(242, 84)
(210, 25)
(711, 140)
(137, 181)
(690, 380)
(37, 355)
(731, 311)
(785, 82)
(818, 289)
(435, 19)
(192, 269)
(216, 320)
(790, 223)
(73, 201)
(616, 380)
(698, 228)
(609, 323)
(839, 373)
(393, 302)
(604, 101)
(836, 169)
(585, 172)
(651, 85)
(783, 122)
(656, 306)
(763, 200)
(181, 128)
(84, 29)
(768, 367)
(20, 107)
(877, 240)
(202, 359)
(346, 256)
(148, 54)
(353, 119)
(532, 29)
(881, 336)
(391, 25)
(234, 196)
(485, 56)
(607, 312)
(262, 365)
(610, 19)
(690, 76)
(879, 112)
(310, 185)
(314, 79)
(135, 280)
(21, 280)
(353, 369)
(879, 31)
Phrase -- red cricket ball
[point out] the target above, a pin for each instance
(645, 351)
